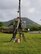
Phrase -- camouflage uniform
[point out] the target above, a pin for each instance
(17, 27)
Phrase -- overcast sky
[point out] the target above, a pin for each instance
(29, 8)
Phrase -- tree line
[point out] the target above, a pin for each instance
(31, 27)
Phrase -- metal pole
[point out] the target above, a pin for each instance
(19, 8)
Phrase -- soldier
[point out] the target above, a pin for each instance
(17, 28)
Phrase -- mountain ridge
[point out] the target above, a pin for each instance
(27, 20)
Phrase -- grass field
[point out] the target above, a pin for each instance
(31, 46)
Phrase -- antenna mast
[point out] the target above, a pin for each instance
(19, 11)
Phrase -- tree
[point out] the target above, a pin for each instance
(1, 24)
(40, 28)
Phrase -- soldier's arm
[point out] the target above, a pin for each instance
(18, 23)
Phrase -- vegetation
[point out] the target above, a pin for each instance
(31, 46)
(34, 27)
(1, 24)
(39, 27)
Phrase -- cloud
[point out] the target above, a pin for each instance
(6, 15)
(25, 3)
(8, 9)
(8, 4)
(29, 8)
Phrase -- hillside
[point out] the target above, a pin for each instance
(28, 22)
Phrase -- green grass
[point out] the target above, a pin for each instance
(31, 46)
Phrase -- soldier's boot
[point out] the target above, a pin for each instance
(13, 37)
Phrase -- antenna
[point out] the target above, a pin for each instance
(19, 9)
